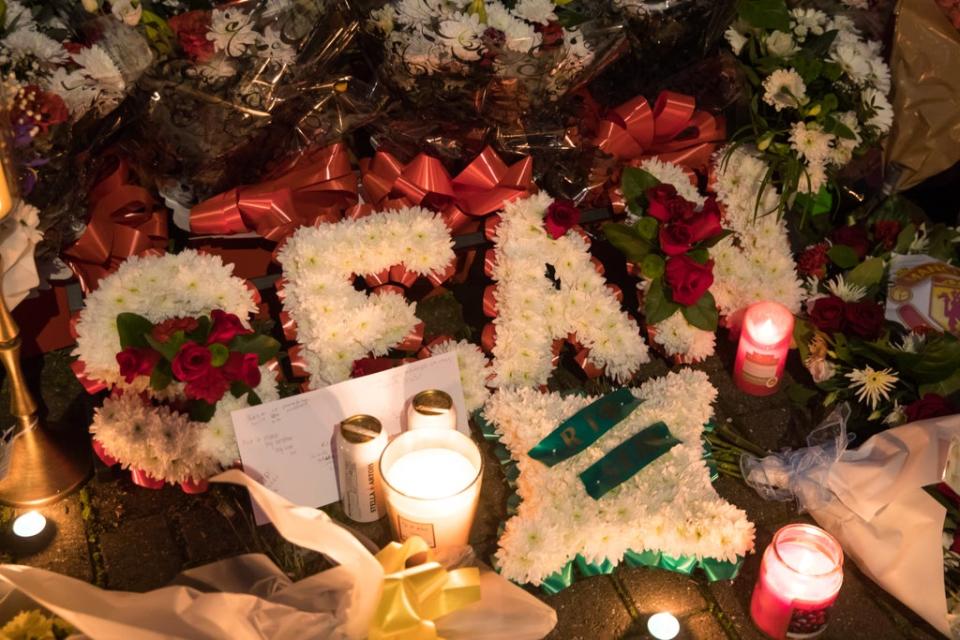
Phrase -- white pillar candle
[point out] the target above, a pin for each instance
(432, 485)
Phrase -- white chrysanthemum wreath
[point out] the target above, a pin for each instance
(533, 310)
(159, 440)
(336, 324)
(669, 506)
(475, 370)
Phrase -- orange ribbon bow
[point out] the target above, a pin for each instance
(317, 189)
(124, 221)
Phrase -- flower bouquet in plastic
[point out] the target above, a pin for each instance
(170, 336)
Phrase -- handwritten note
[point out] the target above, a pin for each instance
(287, 445)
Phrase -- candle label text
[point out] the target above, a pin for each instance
(409, 528)
(760, 369)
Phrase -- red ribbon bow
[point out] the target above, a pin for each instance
(674, 130)
(317, 189)
(124, 221)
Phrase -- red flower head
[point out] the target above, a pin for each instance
(813, 260)
(657, 199)
(552, 33)
(885, 232)
(244, 367)
(209, 387)
(864, 318)
(165, 330)
(561, 216)
(706, 223)
(192, 361)
(676, 238)
(931, 405)
(828, 314)
(226, 327)
(191, 29)
(135, 362)
(854, 237)
(688, 279)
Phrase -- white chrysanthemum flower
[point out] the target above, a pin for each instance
(520, 35)
(784, 89)
(781, 44)
(813, 178)
(680, 338)
(882, 118)
(807, 22)
(844, 147)
(897, 415)
(811, 143)
(871, 385)
(736, 40)
(852, 60)
(911, 343)
(231, 31)
(920, 241)
(274, 48)
(674, 174)
(28, 43)
(474, 370)
(536, 11)
(846, 291)
(18, 17)
(461, 34)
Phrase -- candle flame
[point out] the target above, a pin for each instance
(767, 332)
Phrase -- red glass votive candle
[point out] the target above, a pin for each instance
(800, 577)
(764, 344)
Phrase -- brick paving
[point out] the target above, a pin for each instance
(123, 537)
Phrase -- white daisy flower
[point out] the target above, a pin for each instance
(784, 89)
(871, 385)
(536, 11)
(852, 60)
(846, 291)
(28, 43)
(736, 40)
(876, 101)
(811, 142)
(808, 22)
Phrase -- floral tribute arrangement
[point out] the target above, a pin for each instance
(818, 96)
(475, 370)
(170, 336)
(548, 291)
(665, 514)
(36, 625)
(889, 373)
(335, 323)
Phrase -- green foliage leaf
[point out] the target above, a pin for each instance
(765, 14)
(169, 348)
(818, 46)
(237, 389)
(700, 254)
(628, 240)
(201, 411)
(803, 332)
(832, 71)
(935, 361)
(829, 102)
(133, 330)
(703, 314)
(253, 399)
(657, 306)
(652, 266)
(635, 182)
(904, 238)
(945, 388)
(843, 256)
(161, 376)
(801, 395)
(868, 273)
(709, 242)
(942, 243)
(264, 346)
(568, 18)
(647, 227)
(200, 334)
(219, 354)
(820, 203)
(158, 32)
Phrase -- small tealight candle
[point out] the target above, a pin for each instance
(431, 480)
(30, 524)
(800, 577)
(663, 626)
(764, 344)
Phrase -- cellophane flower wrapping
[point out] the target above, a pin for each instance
(243, 85)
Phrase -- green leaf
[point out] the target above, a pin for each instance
(820, 203)
(765, 14)
(700, 254)
(237, 389)
(253, 399)
(158, 32)
(647, 227)
(818, 46)
(843, 256)
(657, 307)
(133, 330)
(200, 334)
(628, 240)
(201, 411)
(703, 314)
(568, 18)
(161, 376)
(832, 71)
(635, 182)
(868, 273)
(802, 334)
(652, 266)
(264, 346)
(220, 354)
(944, 388)
(709, 242)
(801, 395)
(169, 348)
(829, 102)
(904, 238)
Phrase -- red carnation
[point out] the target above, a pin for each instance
(813, 260)
(676, 238)
(688, 279)
(244, 367)
(209, 387)
(192, 362)
(864, 318)
(191, 29)
(561, 216)
(827, 314)
(885, 232)
(854, 237)
(135, 362)
(165, 330)
(931, 405)
(226, 326)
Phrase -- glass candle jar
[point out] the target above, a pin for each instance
(764, 344)
(431, 481)
(800, 577)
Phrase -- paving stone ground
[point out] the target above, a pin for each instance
(120, 536)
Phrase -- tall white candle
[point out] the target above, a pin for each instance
(432, 485)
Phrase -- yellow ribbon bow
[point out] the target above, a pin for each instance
(413, 598)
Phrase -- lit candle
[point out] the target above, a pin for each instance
(764, 343)
(30, 524)
(431, 480)
(663, 626)
(431, 408)
(800, 576)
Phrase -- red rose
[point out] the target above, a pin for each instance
(688, 279)
(676, 238)
(931, 405)
(706, 223)
(885, 232)
(192, 361)
(827, 314)
(165, 330)
(209, 387)
(191, 29)
(864, 318)
(813, 260)
(136, 362)
(561, 216)
(854, 237)
(226, 327)
(244, 367)
(657, 199)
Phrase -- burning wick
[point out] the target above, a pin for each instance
(29, 524)
(663, 626)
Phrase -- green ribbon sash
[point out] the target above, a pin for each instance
(626, 459)
(583, 428)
